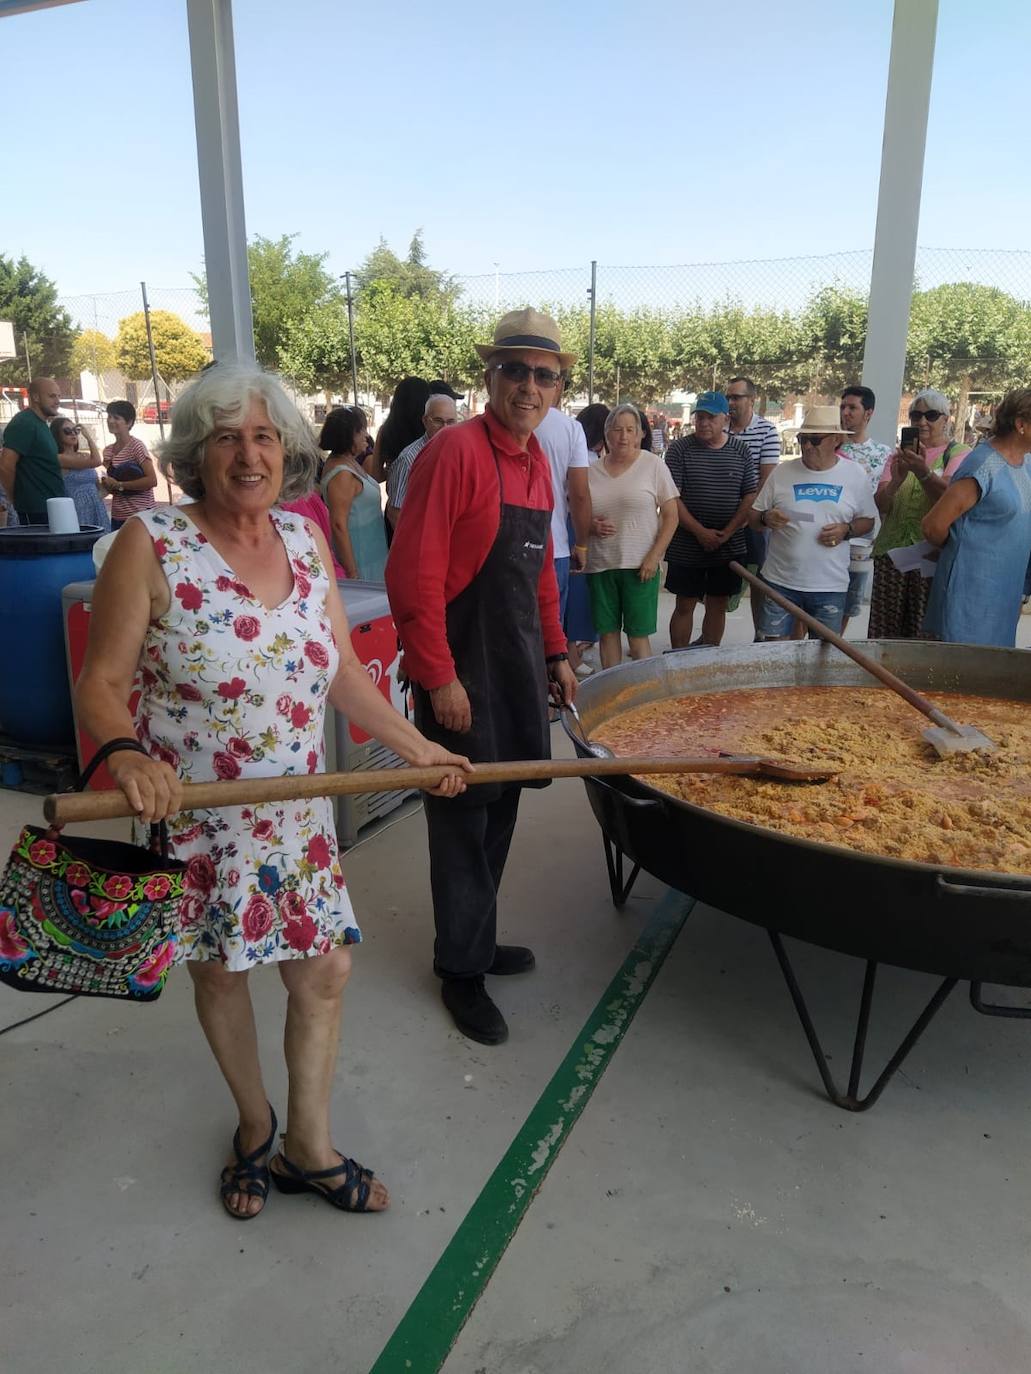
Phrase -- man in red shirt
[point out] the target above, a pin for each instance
(472, 588)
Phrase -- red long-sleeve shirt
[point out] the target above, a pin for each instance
(448, 523)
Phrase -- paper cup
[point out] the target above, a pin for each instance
(61, 516)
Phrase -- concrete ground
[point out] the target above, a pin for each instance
(710, 1210)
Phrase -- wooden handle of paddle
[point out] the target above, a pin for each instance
(832, 637)
(66, 807)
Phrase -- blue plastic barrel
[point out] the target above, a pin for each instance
(35, 699)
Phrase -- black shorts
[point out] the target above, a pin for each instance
(697, 583)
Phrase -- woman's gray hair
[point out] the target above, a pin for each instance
(936, 400)
(625, 409)
(221, 395)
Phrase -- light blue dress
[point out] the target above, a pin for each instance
(82, 487)
(976, 591)
(364, 522)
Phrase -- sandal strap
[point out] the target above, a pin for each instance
(356, 1185)
(255, 1156)
(244, 1181)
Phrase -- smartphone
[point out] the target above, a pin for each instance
(910, 437)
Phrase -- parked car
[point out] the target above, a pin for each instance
(88, 412)
(149, 412)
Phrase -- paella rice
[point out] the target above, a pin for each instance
(893, 796)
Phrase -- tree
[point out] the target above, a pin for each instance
(964, 337)
(93, 352)
(399, 335)
(316, 353)
(831, 339)
(285, 287)
(178, 350)
(29, 300)
(410, 276)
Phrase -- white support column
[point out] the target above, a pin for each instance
(221, 178)
(898, 207)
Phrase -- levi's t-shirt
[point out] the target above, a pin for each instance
(795, 557)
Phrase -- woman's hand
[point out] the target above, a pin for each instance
(602, 527)
(152, 788)
(832, 535)
(432, 755)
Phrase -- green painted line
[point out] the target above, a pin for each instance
(428, 1330)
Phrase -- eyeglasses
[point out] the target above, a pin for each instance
(66, 433)
(740, 396)
(931, 416)
(518, 372)
(815, 439)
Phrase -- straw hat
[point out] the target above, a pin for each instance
(822, 420)
(522, 329)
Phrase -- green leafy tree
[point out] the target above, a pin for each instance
(93, 352)
(178, 350)
(285, 287)
(966, 337)
(28, 299)
(831, 339)
(399, 335)
(410, 276)
(316, 353)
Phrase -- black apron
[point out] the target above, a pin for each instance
(494, 634)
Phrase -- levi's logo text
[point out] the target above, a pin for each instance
(816, 491)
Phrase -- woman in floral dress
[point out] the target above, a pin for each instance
(223, 614)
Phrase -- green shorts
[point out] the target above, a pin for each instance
(621, 601)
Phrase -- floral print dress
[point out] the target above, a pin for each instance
(230, 689)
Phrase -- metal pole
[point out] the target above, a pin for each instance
(154, 376)
(28, 360)
(217, 121)
(350, 335)
(898, 208)
(593, 293)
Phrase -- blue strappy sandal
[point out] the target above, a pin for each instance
(249, 1175)
(350, 1195)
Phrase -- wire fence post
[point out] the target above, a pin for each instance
(28, 360)
(350, 335)
(154, 377)
(593, 293)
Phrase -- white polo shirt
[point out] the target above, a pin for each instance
(565, 443)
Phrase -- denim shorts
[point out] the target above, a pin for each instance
(826, 607)
(858, 589)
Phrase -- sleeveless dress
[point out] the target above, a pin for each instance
(82, 487)
(364, 522)
(230, 689)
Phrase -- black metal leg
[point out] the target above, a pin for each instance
(995, 1008)
(614, 863)
(850, 1101)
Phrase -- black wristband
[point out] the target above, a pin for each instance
(556, 658)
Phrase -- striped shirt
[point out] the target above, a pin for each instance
(762, 440)
(401, 469)
(712, 483)
(126, 503)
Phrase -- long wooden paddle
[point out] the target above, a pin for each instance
(65, 807)
(948, 738)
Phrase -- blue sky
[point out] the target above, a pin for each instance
(653, 132)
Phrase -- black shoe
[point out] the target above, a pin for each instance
(474, 1013)
(511, 959)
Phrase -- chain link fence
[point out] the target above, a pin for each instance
(658, 334)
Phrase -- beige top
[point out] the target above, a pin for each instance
(631, 501)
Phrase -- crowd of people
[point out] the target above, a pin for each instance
(509, 543)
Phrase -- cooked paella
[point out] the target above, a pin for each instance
(893, 795)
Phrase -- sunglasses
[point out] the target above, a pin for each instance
(931, 416)
(815, 439)
(518, 372)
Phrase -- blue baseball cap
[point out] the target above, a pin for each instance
(714, 402)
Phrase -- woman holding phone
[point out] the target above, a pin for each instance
(914, 477)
